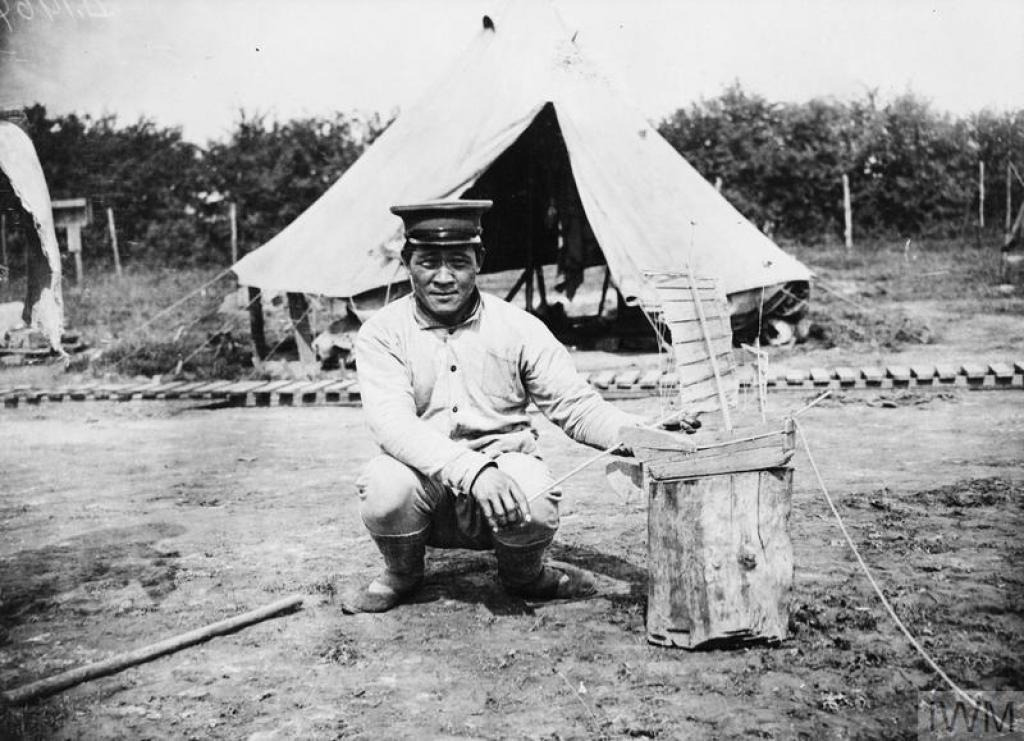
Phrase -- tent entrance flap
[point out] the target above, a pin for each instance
(537, 218)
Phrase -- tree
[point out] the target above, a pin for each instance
(275, 171)
(912, 171)
(143, 171)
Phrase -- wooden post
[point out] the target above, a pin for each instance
(847, 213)
(233, 220)
(720, 559)
(71, 215)
(1018, 226)
(541, 289)
(120, 662)
(75, 248)
(517, 285)
(604, 288)
(113, 241)
(1010, 200)
(981, 194)
(528, 294)
(3, 237)
(719, 553)
(256, 327)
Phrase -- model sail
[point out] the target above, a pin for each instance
(697, 314)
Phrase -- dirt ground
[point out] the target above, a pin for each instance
(125, 523)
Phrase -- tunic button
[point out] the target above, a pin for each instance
(455, 409)
(454, 369)
(451, 331)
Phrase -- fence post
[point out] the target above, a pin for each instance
(113, 241)
(847, 213)
(981, 194)
(75, 248)
(233, 219)
(1010, 201)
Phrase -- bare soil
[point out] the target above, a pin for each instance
(125, 523)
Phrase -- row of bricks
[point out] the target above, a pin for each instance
(240, 393)
(970, 374)
(610, 383)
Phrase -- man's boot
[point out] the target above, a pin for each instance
(523, 573)
(402, 575)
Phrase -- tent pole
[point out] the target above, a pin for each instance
(604, 288)
(529, 243)
(529, 287)
(256, 328)
(516, 286)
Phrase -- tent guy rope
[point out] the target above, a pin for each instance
(878, 590)
(180, 301)
(284, 337)
(180, 332)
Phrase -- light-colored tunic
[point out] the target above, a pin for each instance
(446, 400)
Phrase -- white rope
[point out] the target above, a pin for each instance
(179, 302)
(210, 338)
(878, 591)
(762, 369)
(139, 349)
(284, 337)
(656, 327)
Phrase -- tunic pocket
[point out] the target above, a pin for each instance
(499, 377)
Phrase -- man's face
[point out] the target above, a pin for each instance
(443, 279)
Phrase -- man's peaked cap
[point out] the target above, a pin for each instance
(447, 223)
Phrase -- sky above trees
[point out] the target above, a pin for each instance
(196, 63)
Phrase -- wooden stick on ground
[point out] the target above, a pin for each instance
(42, 688)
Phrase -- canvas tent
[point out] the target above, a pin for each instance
(523, 118)
(23, 191)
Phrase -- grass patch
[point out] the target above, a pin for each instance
(110, 315)
(859, 299)
(857, 294)
(887, 271)
(124, 318)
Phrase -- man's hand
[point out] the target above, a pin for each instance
(684, 422)
(651, 437)
(500, 497)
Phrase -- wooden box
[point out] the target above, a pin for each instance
(720, 557)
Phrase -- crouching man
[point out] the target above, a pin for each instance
(446, 375)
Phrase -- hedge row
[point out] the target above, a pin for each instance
(913, 171)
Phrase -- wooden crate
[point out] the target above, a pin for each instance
(720, 558)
